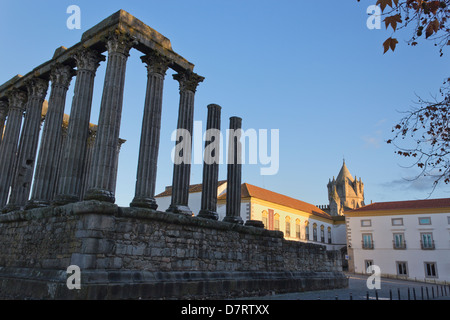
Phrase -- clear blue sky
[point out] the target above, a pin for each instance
(315, 72)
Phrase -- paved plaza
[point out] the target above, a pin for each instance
(357, 290)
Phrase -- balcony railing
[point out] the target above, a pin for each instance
(399, 245)
(427, 245)
(368, 245)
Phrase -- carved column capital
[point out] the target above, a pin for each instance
(156, 63)
(3, 107)
(37, 87)
(188, 80)
(17, 99)
(118, 42)
(88, 60)
(61, 75)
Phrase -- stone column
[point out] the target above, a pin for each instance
(51, 142)
(3, 114)
(29, 139)
(102, 177)
(74, 154)
(8, 148)
(210, 164)
(234, 172)
(157, 66)
(182, 167)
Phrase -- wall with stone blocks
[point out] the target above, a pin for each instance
(140, 253)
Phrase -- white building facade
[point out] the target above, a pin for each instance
(405, 239)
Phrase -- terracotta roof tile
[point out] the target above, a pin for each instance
(248, 190)
(411, 204)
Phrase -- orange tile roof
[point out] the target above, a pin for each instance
(401, 205)
(248, 190)
(192, 189)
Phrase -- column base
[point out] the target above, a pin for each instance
(64, 199)
(208, 214)
(180, 209)
(254, 223)
(10, 208)
(142, 202)
(100, 195)
(33, 204)
(237, 220)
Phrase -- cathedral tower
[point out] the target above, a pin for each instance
(345, 192)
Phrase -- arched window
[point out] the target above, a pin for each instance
(297, 229)
(322, 234)
(276, 225)
(315, 232)
(288, 226)
(265, 219)
(306, 230)
(329, 234)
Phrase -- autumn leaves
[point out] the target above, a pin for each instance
(428, 16)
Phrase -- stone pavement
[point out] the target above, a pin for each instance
(358, 290)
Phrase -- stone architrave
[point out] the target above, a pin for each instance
(51, 142)
(234, 172)
(102, 177)
(3, 114)
(29, 140)
(75, 147)
(208, 208)
(157, 66)
(8, 148)
(181, 171)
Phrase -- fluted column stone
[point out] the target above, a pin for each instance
(102, 182)
(157, 66)
(181, 171)
(3, 114)
(208, 208)
(75, 147)
(234, 172)
(8, 148)
(52, 136)
(29, 139)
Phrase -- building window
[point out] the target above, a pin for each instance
(426, 241)
(288, 226)
(329, 234)
(265, 219)
(424, 220)
(297, 229)
(322, 234)
(306, 230)
(397, 221)
(399, 241)
(276, 222)
(402, 268)
(367, 242)
(367, 264)
(366, 223)
(430, 270)
(315, 232)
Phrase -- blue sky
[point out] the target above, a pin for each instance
(315, 72)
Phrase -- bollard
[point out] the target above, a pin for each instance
(376, 294)
(351, 297)
(398, 294)
(414, 293)
(390, 294)
(367, 295)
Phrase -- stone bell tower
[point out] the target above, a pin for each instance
(345, 192)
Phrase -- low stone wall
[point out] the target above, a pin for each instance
(131, 253)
